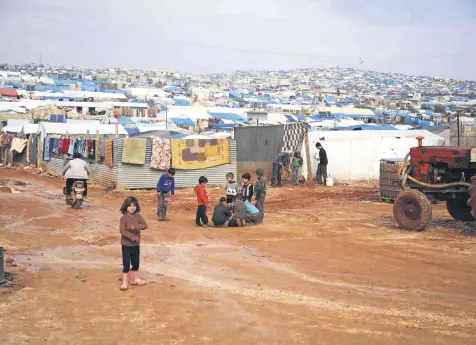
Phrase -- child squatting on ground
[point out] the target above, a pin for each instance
(221, 214)
(165, 188)
(131, 224)
(202, 200)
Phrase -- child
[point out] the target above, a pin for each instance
(221, 214)
(130, 226)
(165, 186)
(297, 164)
(202, 199)
(246, 187)
(261, 187)
(232, 189)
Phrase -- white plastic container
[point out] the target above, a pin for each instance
(329, 181)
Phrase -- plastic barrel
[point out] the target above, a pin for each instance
(2, 267)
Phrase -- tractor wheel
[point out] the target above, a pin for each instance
(412, 210)
(459, 210)
(472, 197)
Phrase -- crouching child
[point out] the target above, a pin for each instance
(221, 214)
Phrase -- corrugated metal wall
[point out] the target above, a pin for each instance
(132, 176)
(55, 166)
(100, 174)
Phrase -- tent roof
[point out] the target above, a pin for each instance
(78, 129)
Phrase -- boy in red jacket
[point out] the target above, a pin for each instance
(202, 199)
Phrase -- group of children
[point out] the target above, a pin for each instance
(235, 209)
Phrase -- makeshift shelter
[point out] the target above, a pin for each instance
(356, 155)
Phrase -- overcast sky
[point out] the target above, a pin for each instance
(424, 37)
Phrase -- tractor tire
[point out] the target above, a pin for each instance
(412, 210)
(472, 197)
(459, 210)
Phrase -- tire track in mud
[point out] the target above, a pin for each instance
(74, 257)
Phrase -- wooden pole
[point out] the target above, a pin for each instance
(308, 153)
(96, 148)
(116, 130)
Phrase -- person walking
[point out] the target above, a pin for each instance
(321, 157)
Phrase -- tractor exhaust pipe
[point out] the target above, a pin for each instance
(420, 140)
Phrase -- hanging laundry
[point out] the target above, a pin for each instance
(91, 149)
(133, 151)
(72, 145)
(66, 143)
(46, 149)
(52, 146)
(18, 145)
(108, 158)
(56, 146)
(60, 146)
(86, 149)
(79, 146)
(161, 154)
(102, 148)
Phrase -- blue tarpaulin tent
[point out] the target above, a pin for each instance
(12, 84)
(129, 125)
(183, 121)
(178, 136)
(181, 102)
(173, 89)
(227, 116)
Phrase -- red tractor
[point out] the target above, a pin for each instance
(432, 174)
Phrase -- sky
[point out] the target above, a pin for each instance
(420, 37)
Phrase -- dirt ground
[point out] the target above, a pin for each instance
(327, 266)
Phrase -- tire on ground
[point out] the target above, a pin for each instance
(459, 209)
(412, 210)
(472, 196)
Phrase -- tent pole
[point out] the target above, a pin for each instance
(308, 153)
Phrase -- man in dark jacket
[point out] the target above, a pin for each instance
(321, 157)
(281, 160)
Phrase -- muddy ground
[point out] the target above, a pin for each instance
(328, 266)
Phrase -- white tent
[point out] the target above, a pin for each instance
(355, 155)
(30, 128)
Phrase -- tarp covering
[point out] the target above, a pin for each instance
(365, 128)
(183, 121)
(191, 154)
(227, 116)
(133, 151)
(355, 155)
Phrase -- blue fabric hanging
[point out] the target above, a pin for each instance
(46, 150)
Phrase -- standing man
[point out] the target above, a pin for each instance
(282, 159)
(321, 157)
(165, 186)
